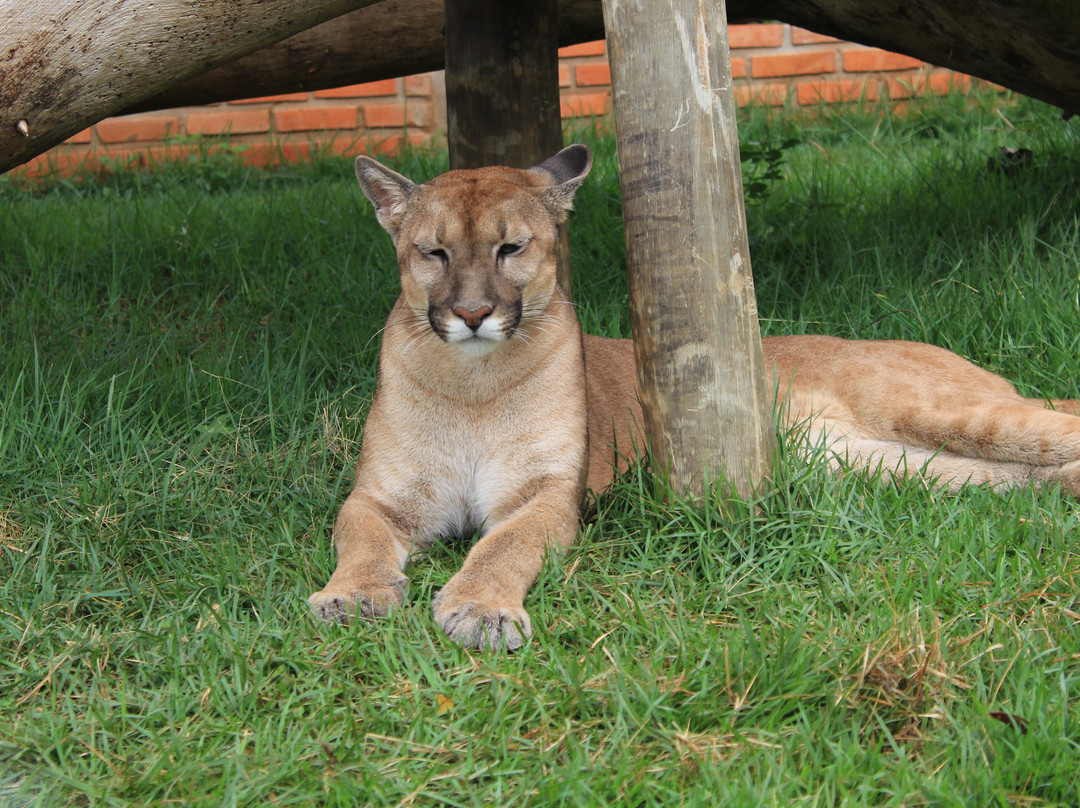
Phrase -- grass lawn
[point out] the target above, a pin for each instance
(188, 358)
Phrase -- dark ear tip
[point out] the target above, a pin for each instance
(578, 157)
(365, 163)
(361, 165)
(572, 163)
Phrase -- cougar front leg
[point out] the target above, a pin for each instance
(371, 553)
(482, 605)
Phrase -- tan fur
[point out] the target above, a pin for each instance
(483, 422)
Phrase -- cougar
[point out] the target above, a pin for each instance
(494, 415)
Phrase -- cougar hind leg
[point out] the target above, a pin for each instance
(1036, 445)
(1066, 475)
(942, 468)
(1003, 428)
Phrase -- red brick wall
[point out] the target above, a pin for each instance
(376, 116)
(771, 64)
(775, 64)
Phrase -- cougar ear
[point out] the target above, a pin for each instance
(388, 191)
(564, 172)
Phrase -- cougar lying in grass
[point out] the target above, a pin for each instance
(493, 413)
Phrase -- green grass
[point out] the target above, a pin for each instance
(189, 357)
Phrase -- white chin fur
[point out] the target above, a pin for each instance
(478, 346)
(486, 338)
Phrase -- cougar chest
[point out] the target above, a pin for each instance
(469, 474)
(464, 463)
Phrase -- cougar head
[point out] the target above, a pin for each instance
(476, 248)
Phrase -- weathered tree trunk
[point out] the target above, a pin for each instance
(389, 39)
(1028, 46)
(66, 64)
(502, 82)
(502, 88)
(701, 375)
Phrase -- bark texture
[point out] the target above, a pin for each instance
(1031, 46)
(701, 377)
(502, 89)
(386, 40)
(66, 64)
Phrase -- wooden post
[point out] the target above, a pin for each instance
(502, 87)
(701, 377)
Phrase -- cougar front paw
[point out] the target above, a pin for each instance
(476, 624)
(340, 605)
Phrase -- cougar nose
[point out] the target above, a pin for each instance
(474, 317)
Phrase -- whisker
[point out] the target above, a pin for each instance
(374, 336)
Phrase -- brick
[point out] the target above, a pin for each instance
(390, 145)
(419, 85)
(156, 155)
(597, 48)
(383, 87)
(228, 121)
(865, 60)
(366, 90)
(800, 36)
(137, 127)
(259, 155)
(901, 87)
(85, 136)
(738, 68)
(289, 152)
(592, 75)
(771, 95)
(792, 64)
(384, 115)
(836, 90)
(343, 145)
(313, 119)
(420, 114)
(173, 151)
(937, 84)
(63, 162)
(35, 167)
(564, 75)
(395, 114)
(127, 158)
(756, 36)
(581, 105)
(272, 99)
(945, 83)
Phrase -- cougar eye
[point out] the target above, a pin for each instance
(438, 254)
(507, 250)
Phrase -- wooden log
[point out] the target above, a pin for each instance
(1030, 47)
(502, 87)
(389, 39)
(701, 374)
(58, 76)
(385, 40)
(66, 64)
